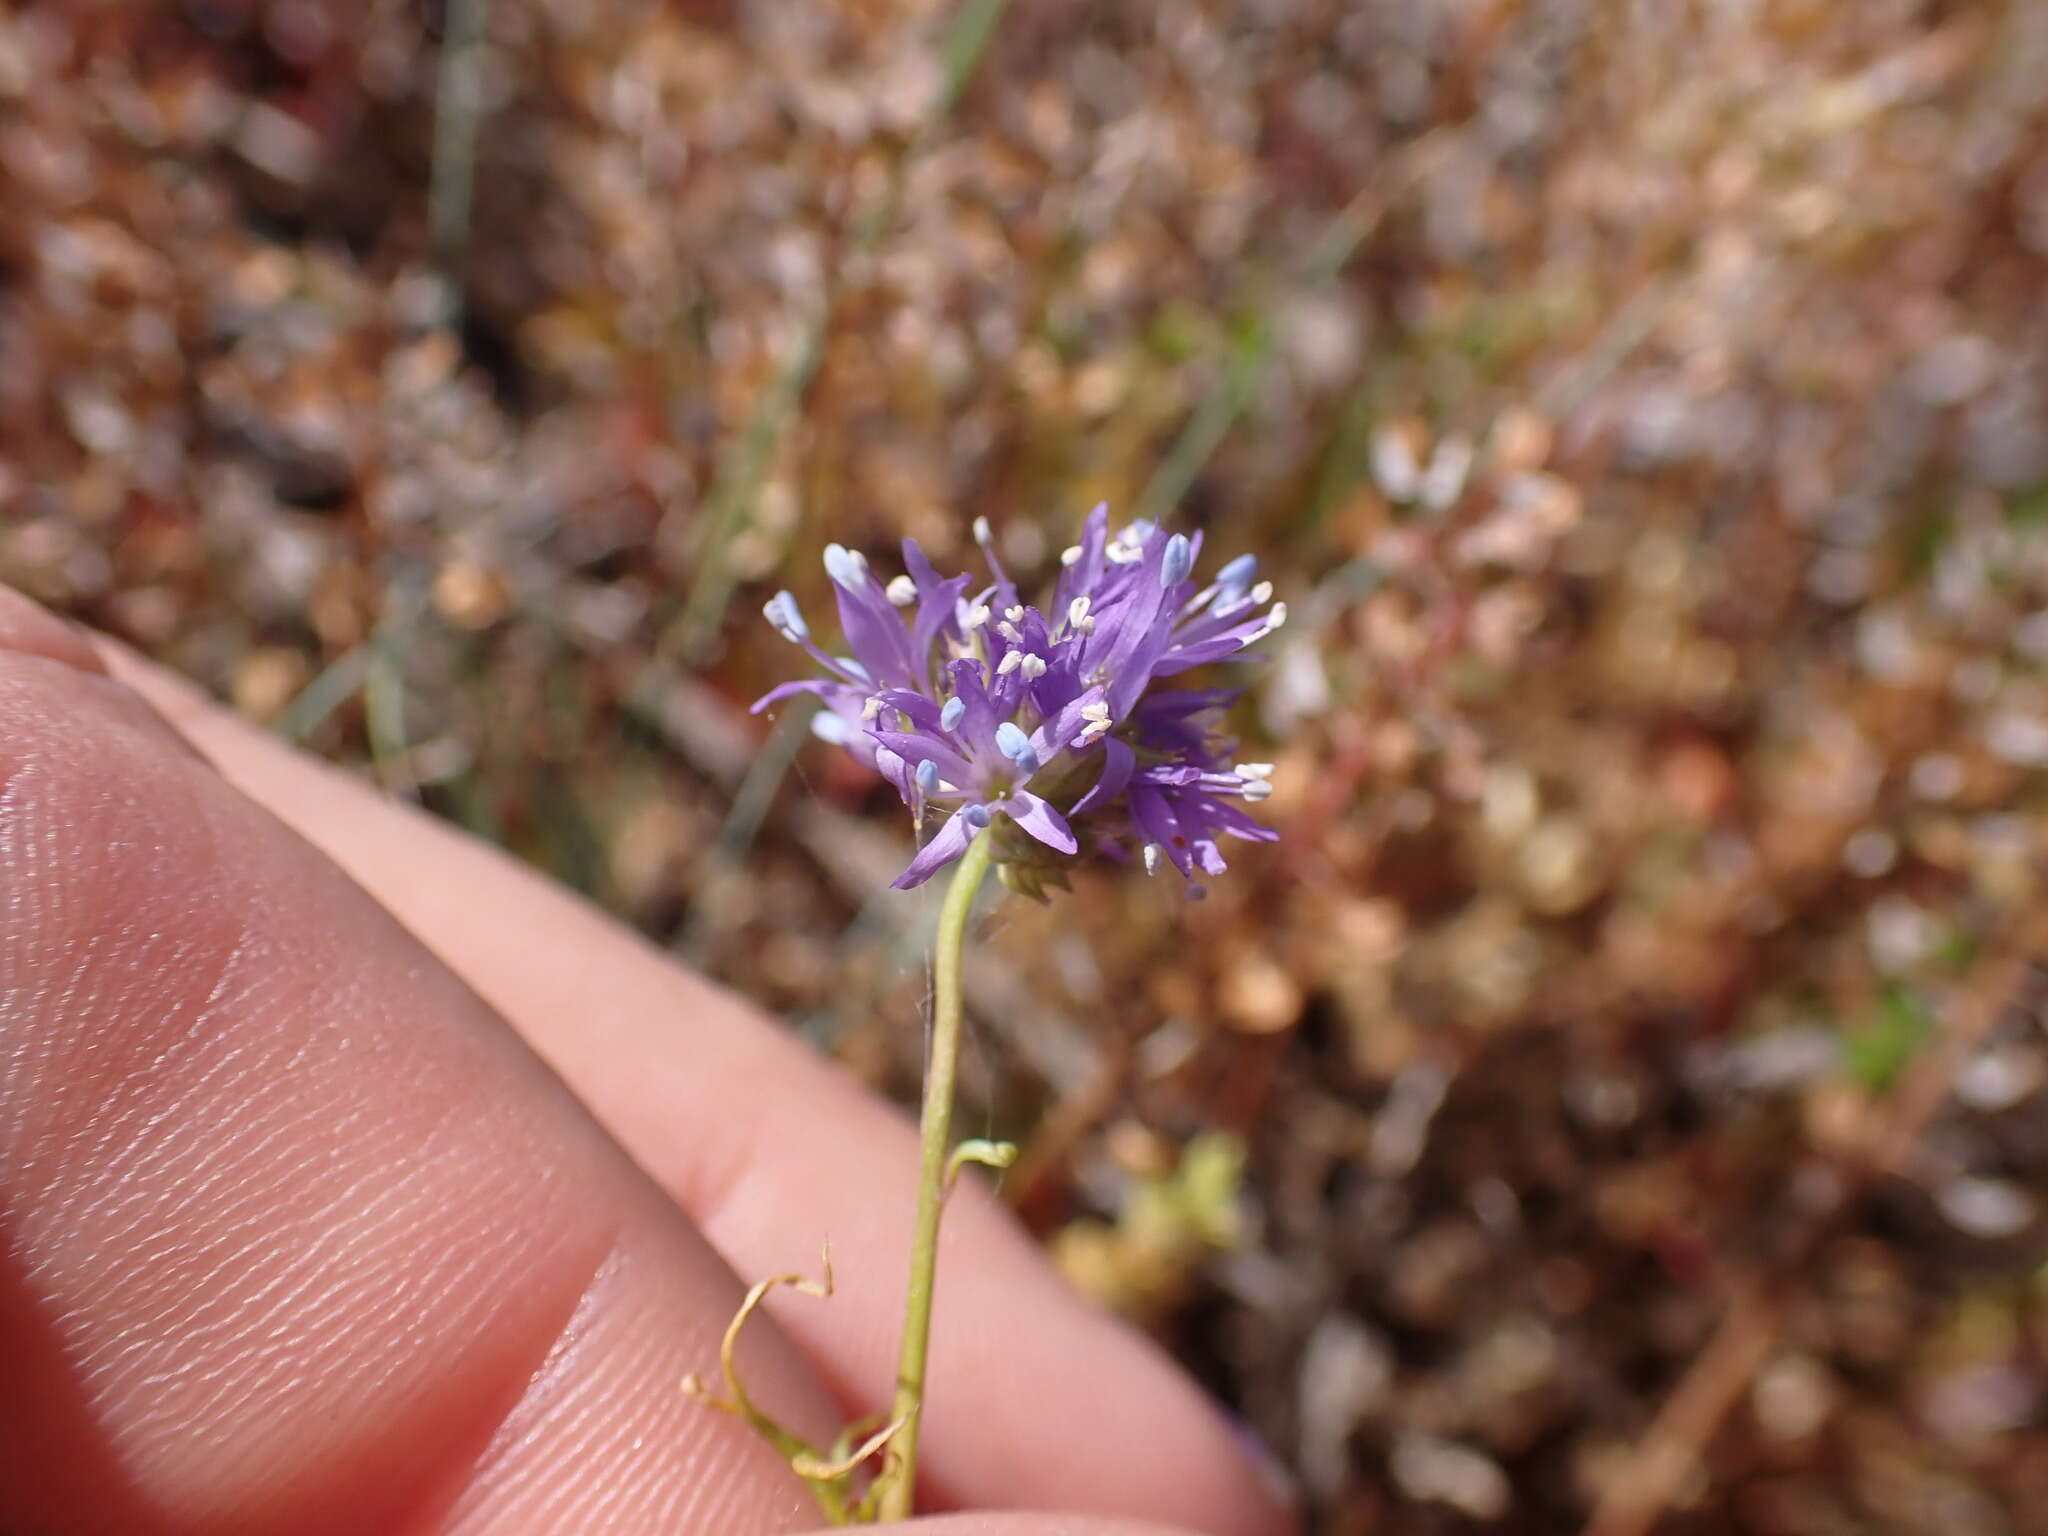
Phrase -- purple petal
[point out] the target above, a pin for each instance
(1187, 657)
(823, 687)
(1061, 727)
(1143, 629)
(920, 709)
(936, 597)
(947, 844)
(934, 619)
(914, 748)
(875, 634)
(1060, 688)
(1132, 673)
(1228, 818)
(980, 721)
(1006, 692)
(833, 664)
(1118, 761)
(1238, 612)
(1040, 820)
(890, 766)
(921, 570)
(1085, 574)
(1155, 819)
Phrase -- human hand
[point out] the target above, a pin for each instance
(400, 1196)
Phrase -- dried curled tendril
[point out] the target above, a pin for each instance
(829, 1473)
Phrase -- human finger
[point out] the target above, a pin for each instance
(295, 1235)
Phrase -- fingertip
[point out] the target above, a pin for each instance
(31, 629)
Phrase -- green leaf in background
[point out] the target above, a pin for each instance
(1876, 1052)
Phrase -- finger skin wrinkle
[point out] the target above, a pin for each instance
(262, 1238)
(605, 1440)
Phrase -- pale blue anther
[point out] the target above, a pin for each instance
(952, 713)
(781, 611)
(977, 816)
(1177, 562)
(1016, 746)
(928, 777)
(844, 566)
(1236, 578)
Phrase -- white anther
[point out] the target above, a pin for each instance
(847, 567)
(1071, 555)
(974, 617)
(1032, 667)
(1077, 610)
(1014, 614)
(1010, 632)
(1099, 710)
(902, 591)
(1151, 858)
(1010, 663)
(1263, 592)
(1121, 553)
(1274, 619)
(1255, 770)
(982, 535)
(1256, 790)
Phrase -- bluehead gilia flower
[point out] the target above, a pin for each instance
(1047, 728)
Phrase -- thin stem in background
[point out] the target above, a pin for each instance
(749, 808)
(356, 669)
(458, 103)
(935, 1138)
(1245, 369)
(736, 491)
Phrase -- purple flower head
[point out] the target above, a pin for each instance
(1045, 727)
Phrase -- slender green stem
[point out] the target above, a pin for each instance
(458, 107)
(736, 490)
(935, 1135)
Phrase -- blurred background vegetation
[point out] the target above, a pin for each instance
(1618, 1102)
